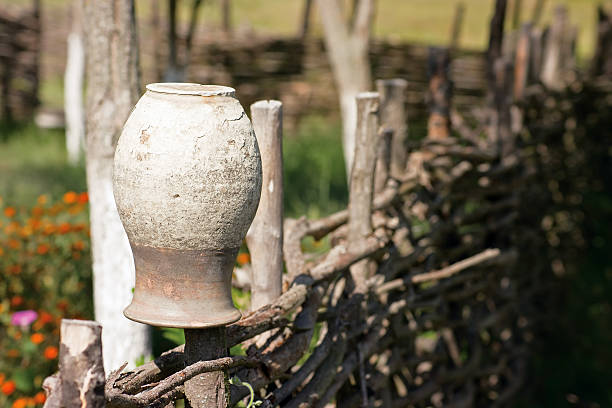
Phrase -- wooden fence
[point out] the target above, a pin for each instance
(19, 63)
(437, 275)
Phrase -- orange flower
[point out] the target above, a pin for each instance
(14, 269)
(13, 353)
(16, 301)
(64, 228)
(37, 338)
(18, 335)
(40, 398)
(25, 231)
(78, 246)
(1, 251)
(8, 388)
(20, 403)
(45, 317)
(10, 212)
(83, 198)
(49, 229)
(42, 249)
(42, 199)
(243, 258)
(13, 243)
(70, 197)
(62, 305)
(37, 212)
(50, 353)
(78, 227)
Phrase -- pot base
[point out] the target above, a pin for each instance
(183, 288)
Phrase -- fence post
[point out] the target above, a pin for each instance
(265, 236)
(555, 55)
(393, 116)
(361, 189)
(522, 62)
(80, 363)
(439, 94)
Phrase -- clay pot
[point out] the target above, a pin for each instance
(187, 180)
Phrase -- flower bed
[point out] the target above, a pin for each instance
(46, 276)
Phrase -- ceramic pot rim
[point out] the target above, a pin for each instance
(186, 88)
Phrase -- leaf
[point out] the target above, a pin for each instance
(24, 380)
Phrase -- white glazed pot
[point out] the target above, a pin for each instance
(187, 180)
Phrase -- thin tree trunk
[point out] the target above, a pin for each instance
(112, 90)
(456, 27)
(174, 72)
(265, 236)
(226, 15)
(305, 19)
(73, 87)
(157, 39)
(193, 23)
(496, 36)
(347, 49)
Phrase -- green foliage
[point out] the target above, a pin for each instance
(315, 182)
(33, 162)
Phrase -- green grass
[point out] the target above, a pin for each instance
(33, 162)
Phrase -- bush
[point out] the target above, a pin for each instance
(46, 276)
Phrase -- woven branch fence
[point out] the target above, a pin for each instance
(19, 62)
(436, 278)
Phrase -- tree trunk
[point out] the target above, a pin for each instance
(73, 87)
(347, 49)
(112, 91)
(305, 19)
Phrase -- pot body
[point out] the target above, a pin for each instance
(187, 180)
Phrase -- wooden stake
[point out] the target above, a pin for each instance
(362, 178)
(439, 94)
(456, 27)
(207, 390)
(555, 58)
(522, 62)
(265, 237)
(80, 363)
(393, 117)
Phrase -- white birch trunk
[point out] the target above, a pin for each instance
(73, 89)
(347, 49)
(112, 91)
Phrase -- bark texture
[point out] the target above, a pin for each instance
(206, 390)
(347, 49)
(80, 362)
(393, 117)
(112, 90)
(265, 236)
(362, 178)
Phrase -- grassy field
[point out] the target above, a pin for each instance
(33, 162)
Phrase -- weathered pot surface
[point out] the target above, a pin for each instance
(187, 180)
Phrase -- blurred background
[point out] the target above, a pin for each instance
(266, 49)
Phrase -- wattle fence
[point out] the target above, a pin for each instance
(438, 274)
